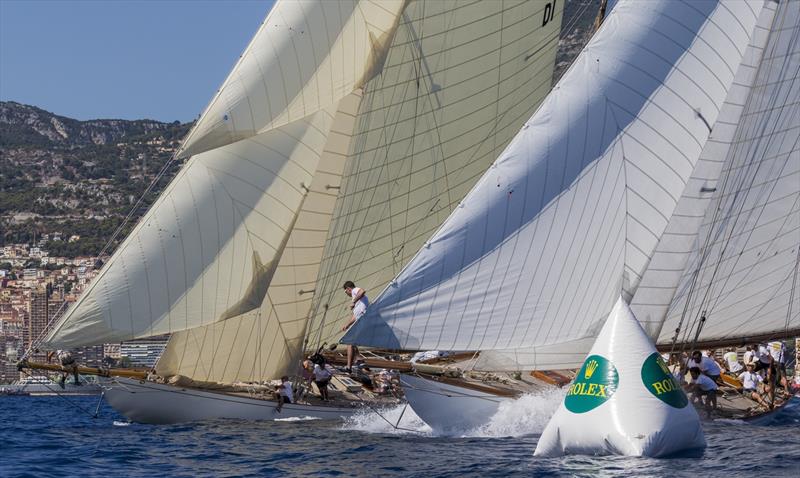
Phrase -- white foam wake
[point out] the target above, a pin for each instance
(399, 419)
(523, 416)
(296, 419)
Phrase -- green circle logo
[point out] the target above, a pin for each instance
(658, 379)
(596, 381)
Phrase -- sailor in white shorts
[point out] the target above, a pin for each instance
(358, 303)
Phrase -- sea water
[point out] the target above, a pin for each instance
(57, 436)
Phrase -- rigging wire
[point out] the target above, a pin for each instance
(738, 189)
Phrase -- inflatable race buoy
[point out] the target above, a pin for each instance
(623, 401)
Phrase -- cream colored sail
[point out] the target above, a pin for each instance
(208, 248)
(572, 211)
(306, 56)
(266, 342)
(443, 46)
(459, 81)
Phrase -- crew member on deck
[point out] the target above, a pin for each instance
(707, 365)
(68, 364)
(358, 303)
(750, 381)
(284, 392)
(703, 386)
(732, 361)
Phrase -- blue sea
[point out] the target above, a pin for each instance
(50, 436)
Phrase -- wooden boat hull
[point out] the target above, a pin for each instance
(449, 409)
(148, 402)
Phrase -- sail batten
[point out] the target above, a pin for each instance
(572, 211)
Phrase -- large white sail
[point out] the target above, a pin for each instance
(305, 57)
(266, 342)
(743, 269)
(450, 65)
(459, 81)
(207, 249)
(569, 216)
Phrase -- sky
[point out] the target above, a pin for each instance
(125, 59)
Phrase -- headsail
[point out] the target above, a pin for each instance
(208, 248)
(305, 57)
(571, 212)
(266, 341)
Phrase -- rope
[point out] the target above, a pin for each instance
(94, 414)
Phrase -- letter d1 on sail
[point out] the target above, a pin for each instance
(613, 407)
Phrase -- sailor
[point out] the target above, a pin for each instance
(68, 364)
(284, 392)
(749, 355)
(703, 386)
(707, 365)
(732, 361)
(776, 377)
(764, 358)
(750, 381)
(358, 304)
(322, 377)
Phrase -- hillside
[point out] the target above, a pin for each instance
(59, 174)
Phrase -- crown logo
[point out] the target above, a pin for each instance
(590, 368)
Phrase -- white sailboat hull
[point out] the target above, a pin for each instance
(448, 408)
(147, 402)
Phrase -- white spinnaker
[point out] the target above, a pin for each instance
(207, 249)
(459, 80)
(747, 282)
(306, 56)
(570, 213)
(266, 342)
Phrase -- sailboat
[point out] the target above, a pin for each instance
(344, 135)
(663, 168)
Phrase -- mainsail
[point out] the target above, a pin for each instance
(349, 127)
(572, 212)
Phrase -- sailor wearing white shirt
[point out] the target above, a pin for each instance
(285, 394)
(358, 303)
(764, 358)
(707, 365)
(749, 356)
(703, 386)
(732, 359)
(777, 352)
(750, 381)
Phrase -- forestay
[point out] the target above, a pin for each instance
(571, 212)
